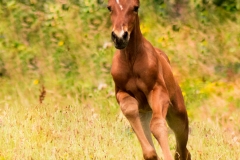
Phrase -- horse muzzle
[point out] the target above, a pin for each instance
(120, 41)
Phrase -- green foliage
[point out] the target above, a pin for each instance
(41, 38)
(68, 41)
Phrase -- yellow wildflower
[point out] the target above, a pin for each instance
(36, 81)
(60, 43)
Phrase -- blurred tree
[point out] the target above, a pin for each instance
(217, 2)
(178, 8)
(229, 5)
(174, 9)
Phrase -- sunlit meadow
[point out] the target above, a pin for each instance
(56, 92)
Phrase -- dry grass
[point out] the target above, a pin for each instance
(66, 128)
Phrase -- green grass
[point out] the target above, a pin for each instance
(66, 48)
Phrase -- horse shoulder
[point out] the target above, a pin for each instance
(159, 70)
(147, 68)
(119, 70)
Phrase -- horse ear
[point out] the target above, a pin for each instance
(138, 2)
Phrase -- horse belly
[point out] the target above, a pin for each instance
(143, 103)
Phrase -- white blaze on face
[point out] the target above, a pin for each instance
(119, 33)
(121, 7)
(122, 32)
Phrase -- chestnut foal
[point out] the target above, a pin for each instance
(145, 87)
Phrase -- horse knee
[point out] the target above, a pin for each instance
(129, 109)
(158, 126)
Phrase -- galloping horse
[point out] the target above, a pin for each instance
(145, 88)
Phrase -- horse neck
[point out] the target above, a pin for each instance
(135, 43)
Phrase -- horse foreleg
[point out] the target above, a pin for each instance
(159, 102)
(129, 107)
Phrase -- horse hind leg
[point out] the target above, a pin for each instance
(178, 121)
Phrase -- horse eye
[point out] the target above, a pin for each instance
(109, 8)
(135, 8)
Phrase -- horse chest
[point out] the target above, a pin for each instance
(135, 86)
(131, 82)
(126, 81)
(138, 76)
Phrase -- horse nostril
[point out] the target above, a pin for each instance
(125, 35)
(114, 36)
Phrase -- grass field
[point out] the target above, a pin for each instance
(57, 96)
(65, 127)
